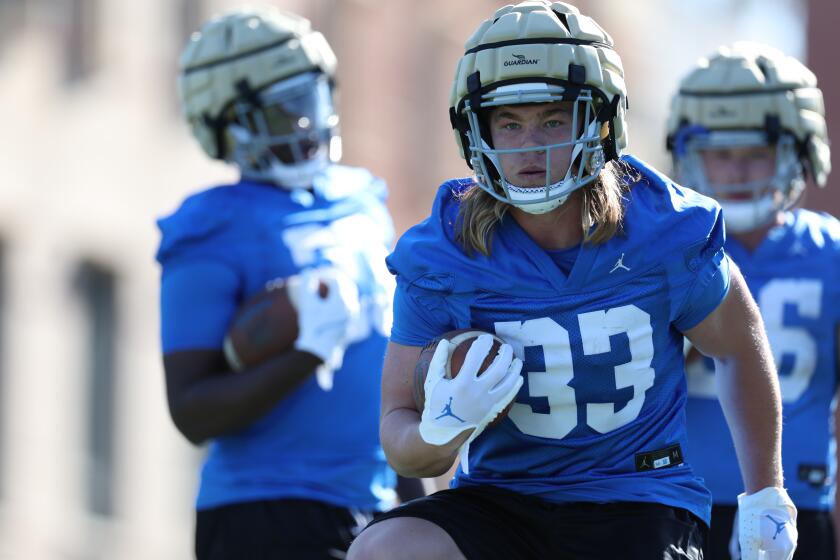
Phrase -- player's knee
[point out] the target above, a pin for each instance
(404, 537)
(372, 544)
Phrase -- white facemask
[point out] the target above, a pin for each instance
(743, 216)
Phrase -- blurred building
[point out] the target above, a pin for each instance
(823, 20)
(92, 150)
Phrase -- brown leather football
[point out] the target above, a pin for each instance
(264, 326)
(461, 340)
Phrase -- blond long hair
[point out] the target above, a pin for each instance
(602, 207)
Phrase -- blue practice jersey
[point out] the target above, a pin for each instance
(793, 276)
(600, 417)
(219, 249)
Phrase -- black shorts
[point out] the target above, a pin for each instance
(816, 534)
(491, 523)
(274, 529)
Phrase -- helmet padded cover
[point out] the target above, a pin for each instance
(257, 47)
(740, 86)
(489, 53)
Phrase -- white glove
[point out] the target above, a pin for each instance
(469, 400)
(323, 322)
(767, 525)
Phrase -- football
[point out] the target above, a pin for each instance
(461, 340)
(264, 326)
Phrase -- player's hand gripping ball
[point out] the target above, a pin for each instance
(264, 326)
(310, 312)
(481, 398)
(460, 340)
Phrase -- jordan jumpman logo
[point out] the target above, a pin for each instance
(780, 525)
(447, 411)
(620, 264)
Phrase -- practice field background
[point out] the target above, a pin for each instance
(92, 149)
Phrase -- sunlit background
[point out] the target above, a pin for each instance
(92, 151)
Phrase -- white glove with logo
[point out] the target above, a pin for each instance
(323, 321)
(766, 525)
(468, 400)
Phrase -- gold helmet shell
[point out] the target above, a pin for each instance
(243, 51)
(541, 41)
(749, 86)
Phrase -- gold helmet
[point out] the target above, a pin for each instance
(750, 94)
(540, 52)
(256, 89)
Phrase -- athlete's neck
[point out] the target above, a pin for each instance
(752, 239)
(559, 229)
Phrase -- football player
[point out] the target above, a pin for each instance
(747, 127)
(294, 467)
(592, 266)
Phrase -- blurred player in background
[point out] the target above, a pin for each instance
(592, 266)
(294, 467)
(747, 127)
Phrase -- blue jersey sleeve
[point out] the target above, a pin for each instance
(683, 231)
(706, 294)
(198, 300)
(702, 281)
(419, 315)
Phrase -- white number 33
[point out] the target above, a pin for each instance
(555, 383)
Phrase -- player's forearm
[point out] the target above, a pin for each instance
(406, 451)
(749, 396)
(224, 404)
